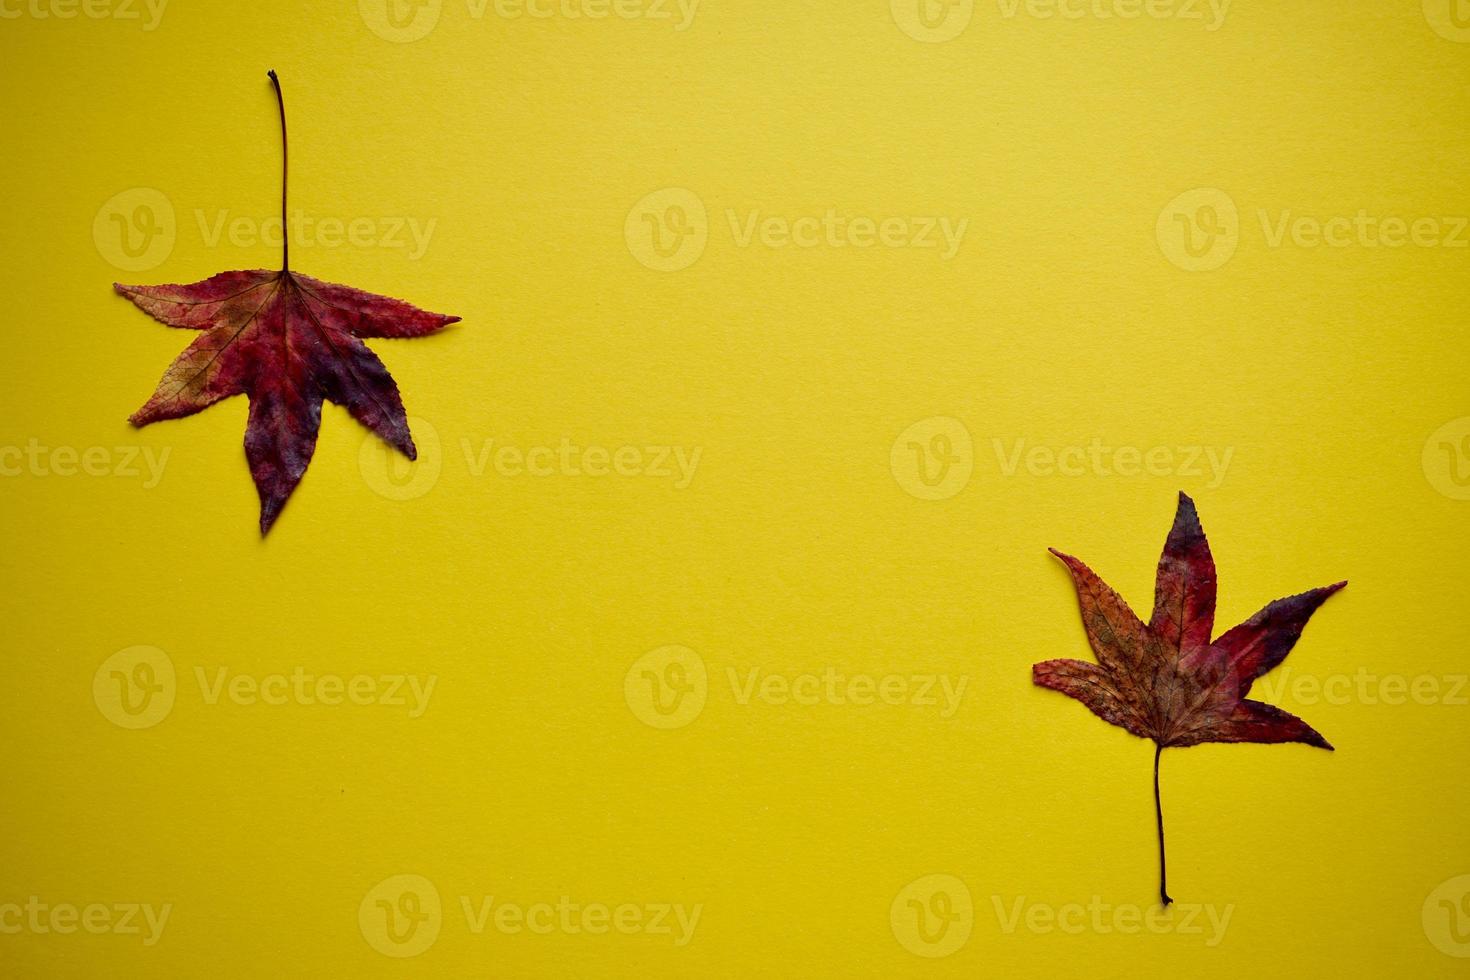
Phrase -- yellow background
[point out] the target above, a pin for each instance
(795, 548)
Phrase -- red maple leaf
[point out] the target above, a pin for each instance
(1165, 680)
(289, 342)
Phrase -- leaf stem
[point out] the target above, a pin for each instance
(1159, 814)
(285, 237)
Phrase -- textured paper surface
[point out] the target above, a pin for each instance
(1061, 375)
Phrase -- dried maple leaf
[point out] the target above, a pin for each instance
(1165, 680)
(289, 342)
